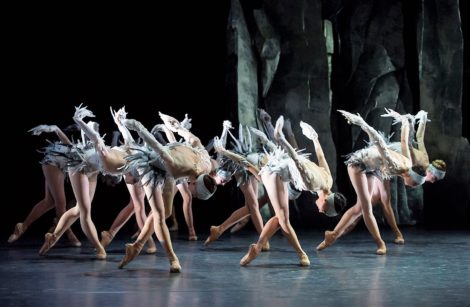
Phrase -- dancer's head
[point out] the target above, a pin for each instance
(204, 187)
(436, 171)
(330, 203)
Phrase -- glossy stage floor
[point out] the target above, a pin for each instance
(432, 269)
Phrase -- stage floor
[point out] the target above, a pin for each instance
(431, 269)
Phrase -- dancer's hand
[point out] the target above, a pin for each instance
(308, 131)
(264, 116)
(43, 128)
(170, 122)
(119, 115)
(82, 112)
(186, 123)
(354, 119)
(158, 128)
(134, 125)
(398, 118)
(227, 124)
(422, 116)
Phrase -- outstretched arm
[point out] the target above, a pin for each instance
(80, 114)
(119, 118)
(186, 124)
(290, 136)
(265, 118)
(175, 126)
(161, 127)
(148, 138)
(422, 117)
(405, 130)
(227, 125)
(279, 136)
(51, 128)
(219, 148)
(310, 133)
(263, 138)
(374, 136)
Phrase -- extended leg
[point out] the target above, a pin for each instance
(359, 181)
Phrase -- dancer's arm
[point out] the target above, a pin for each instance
(279, 136)
(236, 158)
(227, 125)
(422, 117)
(405, 130)
(290, 136)
(119, 117)
(374, 136)
(310, 133)
(161, 127)
(263, 138)
(175, 126)
(51, 128)
(148, 138)
(95, 138)
(265, 118)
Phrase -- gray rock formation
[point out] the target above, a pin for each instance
(403, 55)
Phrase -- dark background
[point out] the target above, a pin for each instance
(169, 58)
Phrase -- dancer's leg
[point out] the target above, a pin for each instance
(359, 182)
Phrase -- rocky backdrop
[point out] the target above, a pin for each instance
(305, 59)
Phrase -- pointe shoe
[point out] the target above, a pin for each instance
(214, 235)
(175, 266)
(266, 247)
(239, 225)
(50, 240)
(381, 249)
(131, 252)
(330, 238)
(101, 255)
(73, 239)
(399, 240)
(192, 238)
(106, 238)
(250, 256)
(303, 260)
(151, 247)
(20, 228)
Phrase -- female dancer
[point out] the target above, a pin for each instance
(53, 168)
(186, 189)
(91, 159)
(281, 168)
(379, 189)
(422, 170)
(247, 183)
(265, 120)
(159, 168)
(382, 162)
(136, 192)
(83, 177)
